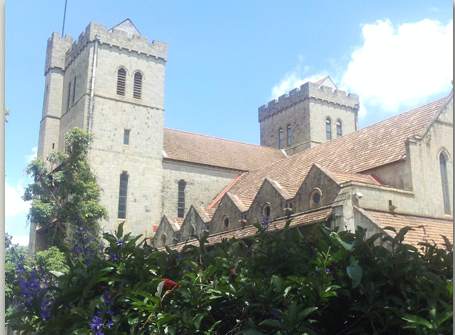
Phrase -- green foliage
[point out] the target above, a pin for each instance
(64, 193)
(296, 281)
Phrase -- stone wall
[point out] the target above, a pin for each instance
(203, 183)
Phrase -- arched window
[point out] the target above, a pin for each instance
(181, 199)
(339, 128)
(445, 181)
(280, 138)
(163, 238)
(226, 222)
(315, 198)
(266, 211)
(121, 81)
(328, 128)
(122, 195)
(289, 135)
(137, 87)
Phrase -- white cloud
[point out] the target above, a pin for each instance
(400, 66)
(395, 67)
(298, 76)
(14, 204)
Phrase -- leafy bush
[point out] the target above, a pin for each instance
(296, 281)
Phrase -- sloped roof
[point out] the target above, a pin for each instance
(175, 223)
(367, 148)
(201, 149)
(128, 27)
(344, 177)
(425, 229)
(306, 218)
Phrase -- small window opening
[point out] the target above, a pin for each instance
(328, 128)
(289, 135)
(226, 222)
(444, 182)
(126, 136)
(53, 145)
(339, 127)
(280, 138)
(315, 198)
(68, 98)
(74, 91)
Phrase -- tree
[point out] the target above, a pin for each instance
(65, 196)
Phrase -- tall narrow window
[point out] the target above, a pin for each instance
(181, 199)
(280, 138)
(74, 91)
(68, 98)
(126, 136)
(339, 128)
(328, 128)
(445, 182)
(121, 81)
(289, 135)
(137, 88)
(122, 195)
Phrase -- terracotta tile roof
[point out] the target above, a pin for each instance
(343, 177)
(425, 229)
(370, 147)
(207, 150)
(300, 219)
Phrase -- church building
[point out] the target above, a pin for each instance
(313, 165)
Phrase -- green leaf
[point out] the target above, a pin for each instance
(417, 320)
(354, 272)
(270, 323)
(344, 244)
(306, 312)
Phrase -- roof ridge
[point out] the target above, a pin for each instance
(223, 139)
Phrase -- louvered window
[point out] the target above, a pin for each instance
(121, 81)
(137, 88)
(122, 196)
(181, 199)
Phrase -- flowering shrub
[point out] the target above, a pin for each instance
(296, 281)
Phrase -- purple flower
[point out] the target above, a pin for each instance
(97, 325)
(45, 308)
(120, 243)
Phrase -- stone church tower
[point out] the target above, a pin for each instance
(312, 114)
(110, 82)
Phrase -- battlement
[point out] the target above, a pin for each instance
(309, 91)
(117, 38)
(57, 46)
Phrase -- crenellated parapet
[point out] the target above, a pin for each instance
(120, 39)
(309, 91)
(57, 47)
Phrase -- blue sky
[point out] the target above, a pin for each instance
(228, 58)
